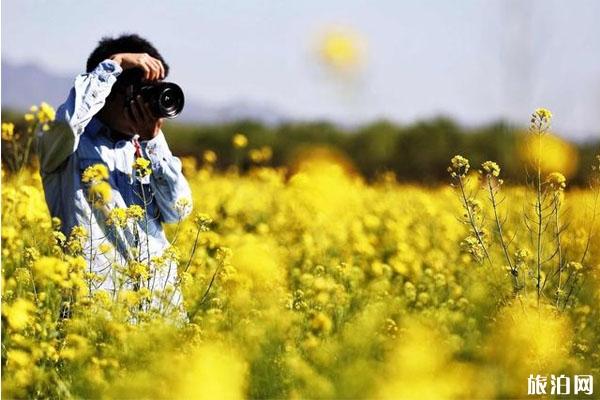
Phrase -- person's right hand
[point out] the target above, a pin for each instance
(152, 67)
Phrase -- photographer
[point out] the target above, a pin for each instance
(100, 123)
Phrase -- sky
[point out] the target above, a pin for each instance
(475, 61)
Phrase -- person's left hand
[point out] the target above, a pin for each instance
(143, 122)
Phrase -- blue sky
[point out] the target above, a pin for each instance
(476, 61)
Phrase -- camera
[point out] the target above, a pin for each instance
(165, 99)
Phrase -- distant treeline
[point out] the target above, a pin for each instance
(415, 153)
(418, 152)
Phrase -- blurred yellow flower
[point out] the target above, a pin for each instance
(341, 48)
(100, 193)
(551, 152)
(8, 129)
(239, 141)
(556, 181)
(19, 314)
(209, 157)
(46, 113)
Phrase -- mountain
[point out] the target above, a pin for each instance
(25, 85)
(28, 84)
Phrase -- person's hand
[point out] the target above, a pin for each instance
(142, 121)
(152, 67)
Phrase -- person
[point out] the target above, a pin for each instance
(87, 162)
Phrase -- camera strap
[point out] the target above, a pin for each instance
(136, 145)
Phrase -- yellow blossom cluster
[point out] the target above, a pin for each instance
(309, 283)
(141, 166)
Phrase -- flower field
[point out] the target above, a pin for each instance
(312, 283)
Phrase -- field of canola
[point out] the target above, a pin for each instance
(319, 286)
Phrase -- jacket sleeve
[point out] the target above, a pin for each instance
(86, 98)
(166, 180)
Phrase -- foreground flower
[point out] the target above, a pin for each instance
(556, 181)
(459, 166)
(100, 194)
(203, 222)
(135, 212)
(540, 120)
(491, 168)
(183, 207)
(141, 167)
(95, 173)
(543, 114)
(117, 217)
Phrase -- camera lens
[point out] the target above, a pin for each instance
(165, 98)
(170, 100)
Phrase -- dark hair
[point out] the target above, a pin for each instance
(127, 43)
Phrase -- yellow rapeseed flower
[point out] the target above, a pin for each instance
(209, 157)
(46, 113)
(100, 194)
(95, 173)
(8, 130)
(556, 181)
(135, 212)
(19, 314)
(203, 221)
(239, 141)
(459, 166)
(141, 167)
(117, 217)
(183, 206)
(543, 114)
(491, 168)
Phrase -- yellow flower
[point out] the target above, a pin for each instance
(141, 162)
(138, 270)
(574, 265)
(183, 206)
(209, 156)
(141, 167)
(95, 173)
(203, 222)
(261, 155)
(491, 168)
(341, 48)
(78, 232)
(46, 113)
(321, 323)
(51, 270)
(543, 114)
(117, 217)
(135, 212)
(459, 166)
(240, 141)
(8, 130)
(100, 193)
(105, 248)
(19, 314)
(556, 181)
